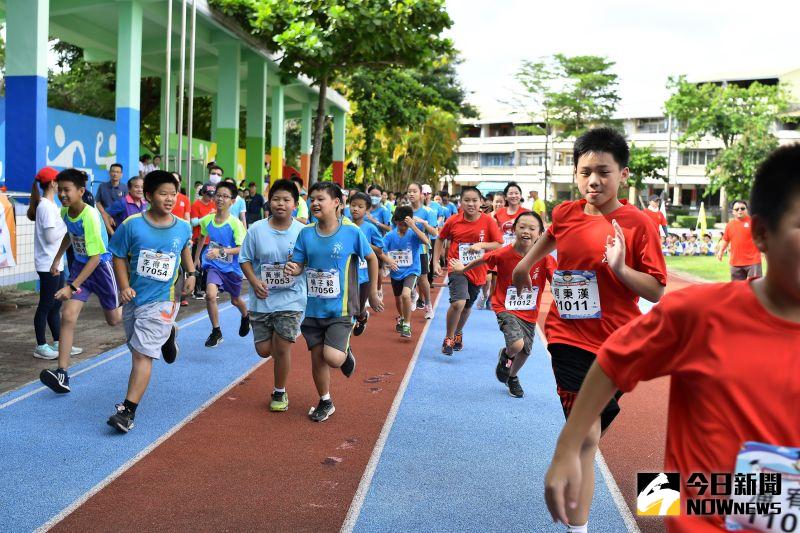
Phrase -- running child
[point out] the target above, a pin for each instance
(609, 255)
(277, 301)
(426, 220)
(90, 272)
(731, 352)
(221, 260)
(516, 313)
(328, 251)
(402, 245)
(147, 249)
(471, 234)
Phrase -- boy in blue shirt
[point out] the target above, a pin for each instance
(147, 250)
(277, 301)
(221, 260)
(402, 245)
(328, 251)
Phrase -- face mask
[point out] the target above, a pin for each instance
(214, 178)
(375, 200)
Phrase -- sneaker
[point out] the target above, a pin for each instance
(447, 346)
(503, 367)
(406, 333)
(57, 380)
(122, 420)
(45, 351)
(199, 295)
(280, 402)
(420, 303)
(244, 326)
(214, 339)
(428, 311)
(169, 351)
(349, 365)
(398, 327)
(184, 302)
(458, 342)
(74, 351)
(322, 411)
(361, 325)
(514, 388)
(414, 299)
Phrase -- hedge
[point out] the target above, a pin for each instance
(690, 222)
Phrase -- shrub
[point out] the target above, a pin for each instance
(690, 222)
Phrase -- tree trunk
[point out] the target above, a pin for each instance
(319, 128)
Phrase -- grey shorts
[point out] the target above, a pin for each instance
(514, 329)
(333, 332)
(461, 288)
(399, 284)
(286, 324)
(746, 272)
(147, 327)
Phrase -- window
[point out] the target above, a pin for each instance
(497, 160)
(530, 158)
(564, 159)
(698, 157)
(469, 130)
(501, 130)
(652, 125)
(469, 160)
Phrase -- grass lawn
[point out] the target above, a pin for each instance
(706, 267)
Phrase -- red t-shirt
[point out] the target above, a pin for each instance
(503, 260)
(734, 369)
(581, 245)
(656, 216)
(459, 231)
(506, 221)
(743, 249)
(199, 210)
(181, 206)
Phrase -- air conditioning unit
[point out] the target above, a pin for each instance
(475, 164)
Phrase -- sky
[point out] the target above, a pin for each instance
(649, 40)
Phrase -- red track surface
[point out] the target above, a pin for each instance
(238, 467)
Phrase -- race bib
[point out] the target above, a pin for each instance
(401, 257)
(774, 474)
(78, 244)
(508, 238)
(521, 302)
(323, 283)
(275, 277)
(465, 255)
(576, 294)
(156, 265)
(227, 259)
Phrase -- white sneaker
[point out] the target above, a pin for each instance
(414, 298)
(429, 311)
(45, 352)
(75, 350)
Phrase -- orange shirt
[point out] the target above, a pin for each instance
(181, 206)
(503, 260)
(581, 246)
(506, 221)
(656, 216)
(743, 249)
(199, 210)
(459, 231)
(734, 369)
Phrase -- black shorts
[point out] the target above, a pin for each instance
(399, 284)
(423, 264)
(570, 366)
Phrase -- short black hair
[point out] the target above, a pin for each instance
(739, 201)
(297, 180)
(230, 186)
(145, 157)
(402, 212)
(533, 214)
(333, 189)
(606, 140)
(131, 180)
(469, 188)
(229, 180)
(375, 186)
(251, 184)
(360, 196)
(74, 176)
(153, 180)
(776, 185)
(444, 194)
(283, 185)
(198, 182)
(214, 166)
(512, 184)
(116, 165)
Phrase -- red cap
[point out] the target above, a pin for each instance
(46, 175)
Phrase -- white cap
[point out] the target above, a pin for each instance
(426, 189)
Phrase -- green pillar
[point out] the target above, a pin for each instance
(305, 142)
(256, 119)
(165, 128)
(278, 137)
(227, 119)
(129, 80)
(339, 134)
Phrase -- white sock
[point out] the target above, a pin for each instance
(325, 397)
(276, 389)
(578, 529)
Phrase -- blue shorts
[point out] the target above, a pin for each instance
(230, 282)
(100, 282)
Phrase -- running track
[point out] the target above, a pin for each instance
(206, 454)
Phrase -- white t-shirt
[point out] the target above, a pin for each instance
(48, 234)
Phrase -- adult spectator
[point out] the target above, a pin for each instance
(239, 208)
(255, 207)
(132, 203)
(156, 162)
(145, 165)
(537, 204)
(108, 193)
(214, 174)
(745, 258)
(654, 214)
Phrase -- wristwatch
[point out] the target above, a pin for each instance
(74, 289)
(222, 253)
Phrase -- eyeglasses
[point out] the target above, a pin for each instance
(223, 196)
(740, 209)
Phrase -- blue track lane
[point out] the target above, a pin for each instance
(55, 448)
(462, 454)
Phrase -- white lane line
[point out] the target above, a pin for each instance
(608, 477)
(369, 472)
(200, 316)
(142, 454)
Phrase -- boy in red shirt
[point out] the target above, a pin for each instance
(731, 350)
(516, 315)
(609, 255)
(655, 215)
(471, 234)
(745, 257)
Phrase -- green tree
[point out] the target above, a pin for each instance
(644, 164)
(326, 39)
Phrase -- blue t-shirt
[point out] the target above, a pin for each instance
(229, 234)
(374, 237)
(239, 206)
(264, 245)
(331, 264)
(441, 213)
(88, 234)
(154, 254)
(428, 215)
(409, 242)
(382, 215)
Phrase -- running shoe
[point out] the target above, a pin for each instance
(244, 326)
(414, 299)
(214, 339)
(420, 303)
(447, 346)
(428, 311)
(398, 327)
(184, 302)
(361, 325)
(349, 365)
(57, 380)
(169, 351)
(322, 411)
(45, 351)
(73, 351)
(406, 333)
(122, 420)
(503, 367)
(200, 295)
(514, 388)
(458, 342)
(280, 402)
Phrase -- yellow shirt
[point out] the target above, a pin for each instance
(539, 206)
